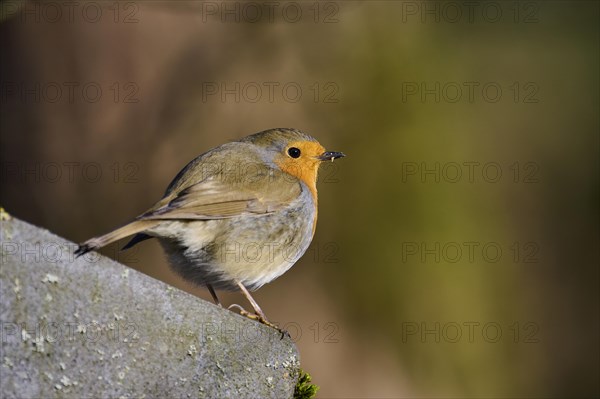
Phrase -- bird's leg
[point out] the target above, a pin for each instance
(259, 314)
(257, 308)
(213, 294)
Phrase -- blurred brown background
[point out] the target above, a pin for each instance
(457, 247)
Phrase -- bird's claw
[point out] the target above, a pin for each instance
(260, 318)
(243, 311)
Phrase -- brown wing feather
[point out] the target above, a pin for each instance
(214, 198)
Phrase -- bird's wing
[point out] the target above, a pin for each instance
(217, 198)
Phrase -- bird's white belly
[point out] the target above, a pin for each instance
(253, 250)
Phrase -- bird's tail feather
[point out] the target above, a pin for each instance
(122, 232)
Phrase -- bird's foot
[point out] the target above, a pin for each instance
(260, 318)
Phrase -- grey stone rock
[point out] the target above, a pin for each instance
(91, 327)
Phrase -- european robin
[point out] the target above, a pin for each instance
(238, 216)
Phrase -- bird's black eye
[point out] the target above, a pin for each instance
(294, 152)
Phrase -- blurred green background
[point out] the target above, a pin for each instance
(457, 247)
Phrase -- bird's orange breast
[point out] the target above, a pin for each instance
(305, 168)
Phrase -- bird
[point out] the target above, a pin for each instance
(236, 217)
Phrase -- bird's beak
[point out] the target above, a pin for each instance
(330, 155)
